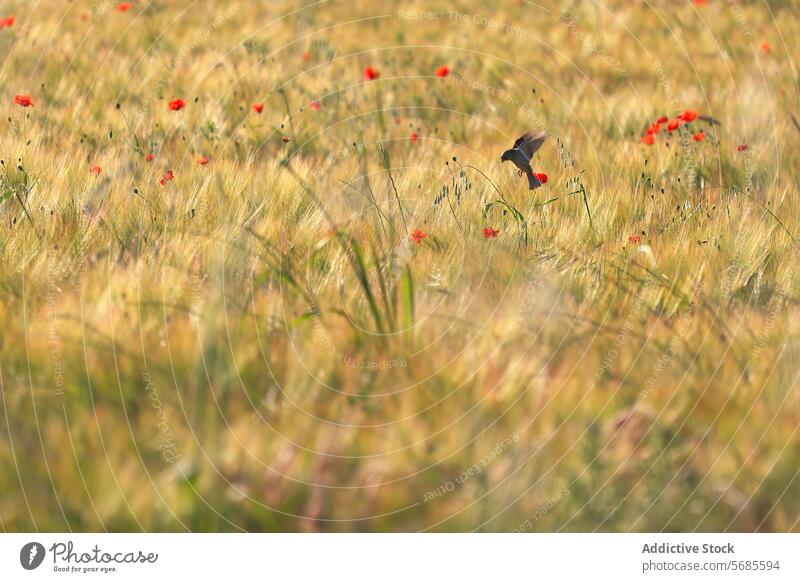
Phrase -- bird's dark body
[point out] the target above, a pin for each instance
(522, 152)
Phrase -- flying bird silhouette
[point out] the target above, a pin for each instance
(522, 152)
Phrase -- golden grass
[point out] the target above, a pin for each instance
(210, 354)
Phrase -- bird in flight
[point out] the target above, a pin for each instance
(521, 154)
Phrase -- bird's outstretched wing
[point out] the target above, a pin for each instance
(529, 143)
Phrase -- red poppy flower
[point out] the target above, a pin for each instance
(742, 147)
(124, 6)
(96, 170)
(688, 116)
(653, 129)
(371, 74)
(7, 22)
(649, 139)
(285, 139)
(673, 125)
(177, 104)
(306, 56)
(634, 239)
(699, 136)
(202, 160)
(542, 178)
(23, 100)
(766, 48)
(662, 119)
(417, 236)
(414, 137)
(489, 232)
(258, 107)
(442, 71)
(149, 157)
(314, 105)
(166, 177)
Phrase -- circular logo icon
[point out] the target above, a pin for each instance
(31, 555)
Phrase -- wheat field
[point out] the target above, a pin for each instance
(261, 267)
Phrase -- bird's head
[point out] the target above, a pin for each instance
(505, 157)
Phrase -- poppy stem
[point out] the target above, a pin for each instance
(289, 117)
(388, 166)
(487, 179)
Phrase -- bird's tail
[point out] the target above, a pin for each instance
(533, 181)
